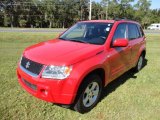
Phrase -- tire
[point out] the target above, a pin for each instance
(89, 94)
(140, 63)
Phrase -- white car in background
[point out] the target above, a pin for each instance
(155, 26)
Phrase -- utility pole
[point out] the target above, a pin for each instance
(81, 12)
(106, 10)
(90, 10)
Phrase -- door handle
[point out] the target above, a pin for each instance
(129, 46)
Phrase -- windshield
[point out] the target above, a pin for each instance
(93, 33)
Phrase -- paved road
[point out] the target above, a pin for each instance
(56, 30)
(152, 32)
(30, 30)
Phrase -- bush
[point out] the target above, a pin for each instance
(22, 23)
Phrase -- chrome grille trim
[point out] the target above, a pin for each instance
(28, 72)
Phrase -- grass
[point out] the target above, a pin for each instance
(31, 28)
(130, 97)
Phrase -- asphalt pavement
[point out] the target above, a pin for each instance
(152, 32)
(31, 30)
(59, 30)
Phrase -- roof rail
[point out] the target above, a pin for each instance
(118, 19)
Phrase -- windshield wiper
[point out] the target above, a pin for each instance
(62, 38)
(74, 40)
(82, 41)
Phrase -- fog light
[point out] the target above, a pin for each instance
(44, 92)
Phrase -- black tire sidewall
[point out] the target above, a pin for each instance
(79, 106)
(137, 70)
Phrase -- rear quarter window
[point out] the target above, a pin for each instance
(140, 30)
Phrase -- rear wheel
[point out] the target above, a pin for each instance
(139, 63)
(89, 94)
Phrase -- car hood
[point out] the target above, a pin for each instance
(61, 52)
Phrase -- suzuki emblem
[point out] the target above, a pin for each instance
(28, 64)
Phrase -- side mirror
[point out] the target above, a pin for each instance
(120, 42)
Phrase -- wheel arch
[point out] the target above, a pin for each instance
(143, 53)
(98, 71)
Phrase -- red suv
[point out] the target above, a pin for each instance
(73, 68)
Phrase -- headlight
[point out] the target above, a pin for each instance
(56, 72)
(20, 59)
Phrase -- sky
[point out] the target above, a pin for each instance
(154, 3)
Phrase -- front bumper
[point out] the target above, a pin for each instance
(56, 91)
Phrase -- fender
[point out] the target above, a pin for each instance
(142, 48)
(86, 67)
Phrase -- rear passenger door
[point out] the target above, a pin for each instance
(135, 36)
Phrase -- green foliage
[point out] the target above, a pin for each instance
(22, 23)
(6, 21)
(64, 13)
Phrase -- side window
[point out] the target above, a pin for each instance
(121, 31)
(133, 32)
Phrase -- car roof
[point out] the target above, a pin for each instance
(103, 21)
(110, 21)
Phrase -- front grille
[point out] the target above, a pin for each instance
(31, 66)
(30, 85)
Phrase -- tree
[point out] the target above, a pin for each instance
(64, 13)
(142, 13)
(96, 11)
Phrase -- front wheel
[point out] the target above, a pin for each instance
(90, 94)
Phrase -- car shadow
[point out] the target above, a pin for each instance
(112, 86)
